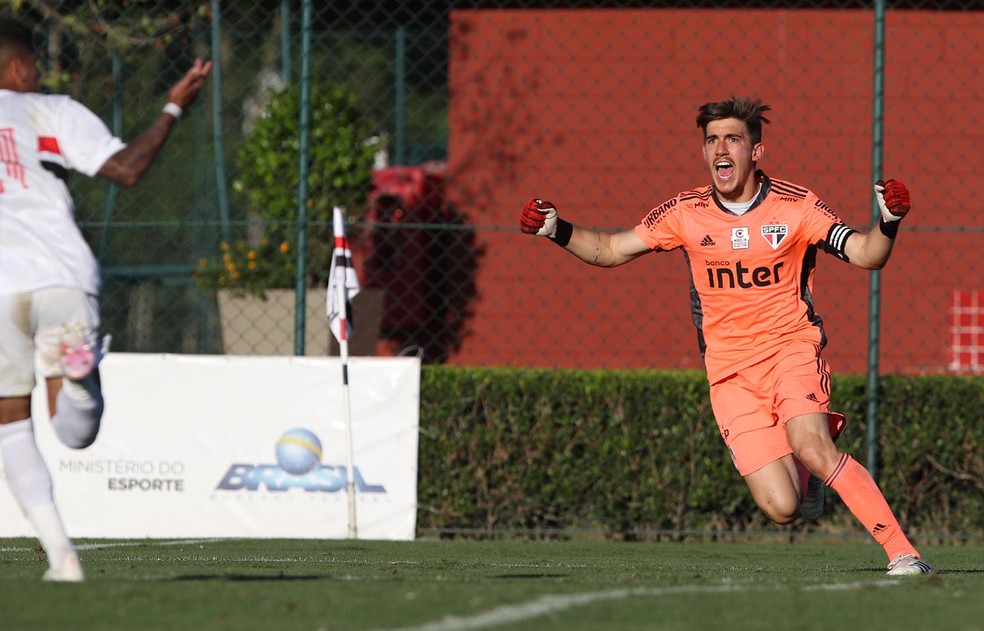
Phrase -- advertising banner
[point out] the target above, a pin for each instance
(227, 446)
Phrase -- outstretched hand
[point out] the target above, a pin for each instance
(893, 199)
(185, 91)
(539, 217)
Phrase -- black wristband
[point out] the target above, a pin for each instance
(889, 228)
(564, 231)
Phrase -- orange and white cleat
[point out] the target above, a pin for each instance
(69, 572)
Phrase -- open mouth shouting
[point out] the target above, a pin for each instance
(725, 169)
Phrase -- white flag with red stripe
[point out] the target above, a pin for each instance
(343, 283)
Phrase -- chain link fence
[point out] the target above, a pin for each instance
(476, 107)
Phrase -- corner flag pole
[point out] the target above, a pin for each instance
(347, 411)
(343, 286)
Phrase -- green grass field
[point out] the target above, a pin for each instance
(509, 584)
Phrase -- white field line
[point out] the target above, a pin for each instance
(126, 544)
(545, 605)
(121, 544)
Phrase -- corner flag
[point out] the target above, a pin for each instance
(343, 283)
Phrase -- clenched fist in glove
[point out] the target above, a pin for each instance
(539, 218)
(893, 201)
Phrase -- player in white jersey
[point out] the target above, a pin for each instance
(49, 278)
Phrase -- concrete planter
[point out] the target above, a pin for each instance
(253, 326)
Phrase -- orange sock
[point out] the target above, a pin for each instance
(865, 500)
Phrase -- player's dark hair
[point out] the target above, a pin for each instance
(16, 41)
(744, 109)
(15, 36)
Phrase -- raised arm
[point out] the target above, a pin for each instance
(603, 249)
(871, 249)
(127, 166)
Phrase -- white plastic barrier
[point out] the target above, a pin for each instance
(225, 446)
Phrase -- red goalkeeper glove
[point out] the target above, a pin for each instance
(893, 199)
(539, 218)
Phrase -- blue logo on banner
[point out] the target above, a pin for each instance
(298, 465)
(298, 451)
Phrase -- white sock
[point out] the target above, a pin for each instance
(80, 408)
(30, 482)
(51, 533)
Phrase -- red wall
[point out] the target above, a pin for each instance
(594, 110)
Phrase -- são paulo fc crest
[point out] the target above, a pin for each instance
(774, 234)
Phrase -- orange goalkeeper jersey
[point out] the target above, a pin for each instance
(752, 274)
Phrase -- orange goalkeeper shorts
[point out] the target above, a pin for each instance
(751, 407)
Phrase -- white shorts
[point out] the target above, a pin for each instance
(31, 328)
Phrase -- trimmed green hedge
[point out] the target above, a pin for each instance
(637, 453)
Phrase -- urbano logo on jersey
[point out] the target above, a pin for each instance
(298, 465)
(656, 214)
(825, 209)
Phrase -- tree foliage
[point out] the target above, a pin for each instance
(341, 155)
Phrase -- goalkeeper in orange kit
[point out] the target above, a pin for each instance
(750, 243)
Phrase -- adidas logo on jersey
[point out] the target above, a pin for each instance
(707, 241)
(812, 397)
